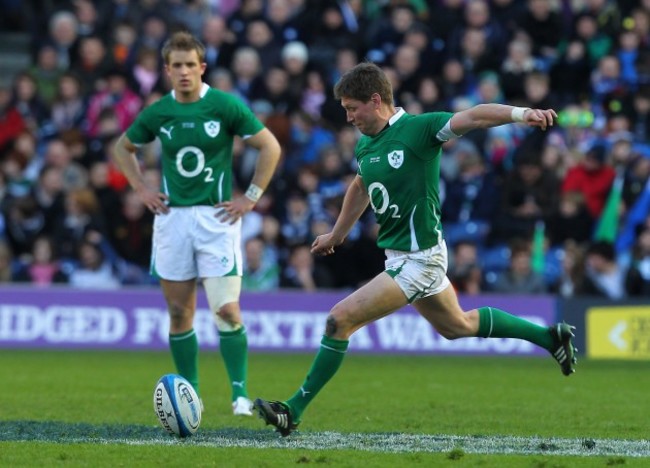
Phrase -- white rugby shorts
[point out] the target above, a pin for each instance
(419, 274)
(190, 242)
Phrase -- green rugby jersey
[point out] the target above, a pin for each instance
(197, 141)
(400, 168)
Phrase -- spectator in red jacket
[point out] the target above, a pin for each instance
(11, 122)
(593, 177)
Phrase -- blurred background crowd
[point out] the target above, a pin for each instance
(564, 211)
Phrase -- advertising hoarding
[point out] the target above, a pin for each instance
(278, 322)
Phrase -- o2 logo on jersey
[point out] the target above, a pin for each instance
(396, 158)
(200, 163)
(385, 200)
(212, 128)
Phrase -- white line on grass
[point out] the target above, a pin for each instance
(372, 442)
(412, 443)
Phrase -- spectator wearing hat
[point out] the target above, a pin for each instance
(63, 36)
(295, 60)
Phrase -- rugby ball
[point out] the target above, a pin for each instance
(177, 405)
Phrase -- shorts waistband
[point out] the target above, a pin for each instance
(431, 250)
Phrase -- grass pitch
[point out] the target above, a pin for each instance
(88, 408)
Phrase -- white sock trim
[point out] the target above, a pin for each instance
(491, 322)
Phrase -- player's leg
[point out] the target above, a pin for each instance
(219, 262)
(223, 297)
(445, 314)
(172, 260)
(376, 299)
(181, 304)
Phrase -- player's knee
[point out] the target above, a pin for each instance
(337, 324)
(178, 315)
(228, 317)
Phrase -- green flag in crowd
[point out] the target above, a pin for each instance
(537, 257)
(607, 226)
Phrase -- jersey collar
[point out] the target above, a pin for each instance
(397, 115)
(204, 90)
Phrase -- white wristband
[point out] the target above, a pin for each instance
(517, 113)
(254, 193)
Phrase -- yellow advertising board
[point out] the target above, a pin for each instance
(618, 332)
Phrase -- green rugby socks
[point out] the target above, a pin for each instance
(326, 363)
(496, 323)
(234, 350)
(185, 352)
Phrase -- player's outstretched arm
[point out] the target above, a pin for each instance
(355, 203)
(493, 115)
(267, 161)
(125, 158)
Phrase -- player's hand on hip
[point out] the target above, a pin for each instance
(231, 211)
(155, 201)
(542, 118)
(323, 245)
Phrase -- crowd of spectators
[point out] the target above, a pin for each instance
(67, 215)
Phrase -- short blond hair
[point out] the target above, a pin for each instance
(183, 40)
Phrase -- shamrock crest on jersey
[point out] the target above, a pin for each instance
(396, 158)
(212, 128)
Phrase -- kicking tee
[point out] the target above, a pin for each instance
(400, 168)
(197, 141)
